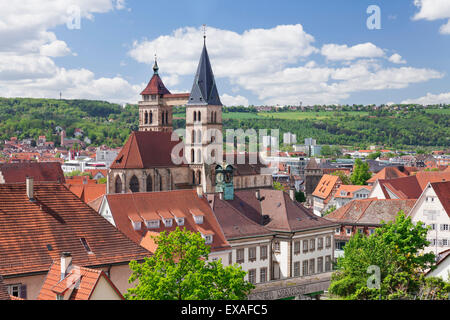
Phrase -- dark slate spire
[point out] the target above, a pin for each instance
(204, 90)
(155, 67)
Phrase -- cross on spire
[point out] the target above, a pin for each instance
(204, 33)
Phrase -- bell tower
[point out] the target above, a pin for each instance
(154, 113)
(204, 142)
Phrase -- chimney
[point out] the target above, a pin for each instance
(66, 261)
(200, 191)
(30, 188)
(292, 194)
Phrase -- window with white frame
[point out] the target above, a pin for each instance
(252, 276)
(297, 247)
(180, 221)
(297, 269)
(305, 268)
(240, 255)
(444, 242)
(312, 267)
(312, 244)
(305, 245)
(432, 226)
(328, 242)
(252, 254)
(152, 224)
(371, 231)
(208, 238)
(348, 231)
(263, 275)
(320, 243)
(444, 227)
(319, 265)
(338, 230)
(327, 263)
(168, 222)
(136, 225)
(263, 253)
(198, 219)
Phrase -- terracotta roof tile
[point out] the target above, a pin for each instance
(370, 211)
(34, 233)
(146, 149)
(87, 192)
(153, 205)
(155, 86)
(387, 173)
(442, 190)
(4, 295)
(275, 211)
(40, 171)
(79, 284)
(325, 186)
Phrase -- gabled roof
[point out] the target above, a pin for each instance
(204, 90)
(82, 281)
(87, 192)
(275, 212)
(40, 171)
(147, 149)
(142, 206)
(442, 190)
(155, 85)
(387, 173)
(349, 190)
(4, 295)
(325, 186)
(411, 187)
(371, 211)
(34, 233)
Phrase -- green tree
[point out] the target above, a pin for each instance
(179, 270)
(397, 249)
(374, 155)
(278, 186)
(344, 178)
(360, 173)
(300, 196)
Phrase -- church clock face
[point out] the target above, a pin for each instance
(219, 177)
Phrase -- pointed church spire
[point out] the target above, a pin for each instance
(155, 66)
(204, 90)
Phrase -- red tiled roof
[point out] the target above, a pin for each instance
(326, 185)
(371, 211)
(442, 190)
(349, 190)
(79, 280)
(34, 233)
(275, 212)
(146, 149)
(40, 171)
(155, 86)
(87, 192)
(4, 295)
(153, 205)
(387, 173)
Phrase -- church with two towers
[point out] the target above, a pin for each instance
(146, 162)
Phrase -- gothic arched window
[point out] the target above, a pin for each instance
(195, 115)
(145, 117)
(134, 184)
(199, 136)
(151, 117)
(118, 185)
(199, 116)
(199, 156)
(193, 136)
(149, 184)
(192, 156)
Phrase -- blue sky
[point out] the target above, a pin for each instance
(262, 52)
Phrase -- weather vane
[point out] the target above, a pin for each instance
(204, 32)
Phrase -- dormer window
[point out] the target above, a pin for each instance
(208, 238)
(198, 219)
(136, 225)
(168, 222)
(152, 224)
(180, 221)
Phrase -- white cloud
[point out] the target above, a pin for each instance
(27, 47)
(276, 66)
(238, 100)
(430, 99)
(396, 58)
(344, 52)
(57, 48)
(434, 10)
